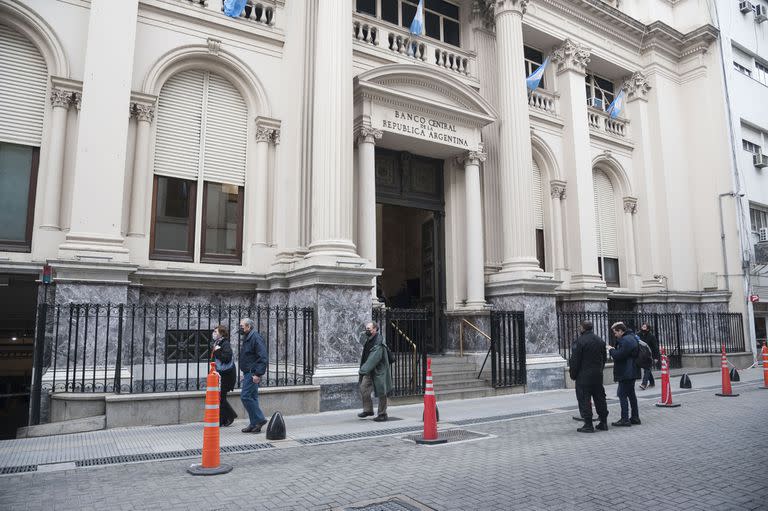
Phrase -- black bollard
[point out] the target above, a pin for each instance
(685, 382)
(735, 375)
(276, 427)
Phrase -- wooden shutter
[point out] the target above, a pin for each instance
(24, 76)
(538, 201)
(179, 125)
(605, 216)
(226, 130)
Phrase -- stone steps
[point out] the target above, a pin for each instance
(63, 427)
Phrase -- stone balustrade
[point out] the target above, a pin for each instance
(601, 122)
(254, 11)
(543, 101)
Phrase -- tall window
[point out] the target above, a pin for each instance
(761, 73)
(606, 229)
(202, 128)
(18, 181)
(533, 60)
(750, 146)
(441, 18)
(538, 215)
(600, 91)
(758, 218)
(742, 69)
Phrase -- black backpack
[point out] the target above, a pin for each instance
(644, 358)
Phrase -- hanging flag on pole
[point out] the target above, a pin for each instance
(417, 25)
(234, 8)
(533, 81)
(617, 105)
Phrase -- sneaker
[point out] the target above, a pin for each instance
(249, 429)
(586, 429)
(621, 423)
(643, 387)
(380, 418)
(635, 421)
(602, 427)
(258, 427)
(363, 415)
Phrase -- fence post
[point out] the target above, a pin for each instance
(37, 381)
(118, 356)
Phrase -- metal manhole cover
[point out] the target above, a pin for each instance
(452, 435)
(395, 503)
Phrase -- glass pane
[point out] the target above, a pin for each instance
(540, 248)
(15, 173)
(533, 55)
(451, 32)
(172, 218)
(443, 7)
(367, 7)
(221, 219)
(604, 84)
(432, 22)
(409, 11)
(611, 272)
(389, 11)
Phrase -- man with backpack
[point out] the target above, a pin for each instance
(625, 372)
(648, 338)
(586, 369)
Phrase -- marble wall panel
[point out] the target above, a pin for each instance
(540, 320)
(473, 340)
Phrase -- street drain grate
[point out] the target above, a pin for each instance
(18, 469)
(358, 435)
(395, 503)
(159, 456)
(452, 435)
(481, 420)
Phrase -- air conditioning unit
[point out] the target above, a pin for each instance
(745, 7)
(761, 13)
(596, 103)
(760, 160)
(762, 234)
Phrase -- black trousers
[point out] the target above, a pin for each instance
(228, 380)
(595, 392)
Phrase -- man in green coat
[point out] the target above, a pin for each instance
(374, 373)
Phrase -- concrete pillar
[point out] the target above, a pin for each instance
(516, 178)
(100, 162)
(571, 59)
(630, 209)
(366, 137)
(60, 100)
(474, 229)
(557, 192)
(140, 179)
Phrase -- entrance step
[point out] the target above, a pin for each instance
(460, 384)
(63, 427)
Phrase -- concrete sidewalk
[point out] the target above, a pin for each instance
(124, 445)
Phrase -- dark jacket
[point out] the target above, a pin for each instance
(223, 356)
(623, 355)
(253, 354)
(376, 364)
(587, 359)
(650, 339)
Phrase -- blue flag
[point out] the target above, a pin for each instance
(533, 81)
(234, 8)
(617, 105)
(417, 25)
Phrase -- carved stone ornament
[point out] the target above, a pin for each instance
(557, 189)
(276, 137)
(472, 157)
(214, 46)
(637, 85)
(487, 10)
(367, 134)
(571, 55)
(630, 205)
(144, 112)
(61, 98)
(264, 134)
(77, 100)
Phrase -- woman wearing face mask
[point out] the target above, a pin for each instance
(225, 366)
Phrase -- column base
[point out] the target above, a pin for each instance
(93, 247)
(333, 248)
(521, 265)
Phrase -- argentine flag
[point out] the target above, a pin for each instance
(534, 80)
(616, 105)
(234, 8)
(417, 25)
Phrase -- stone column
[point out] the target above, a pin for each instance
(258, 198)
(366, 137)
(97, 199)
(557, 192)
(630, 209)
(138, 218)
(571, 60)
(474, 229)
(332, 178)
(60, 100)
(515, 174)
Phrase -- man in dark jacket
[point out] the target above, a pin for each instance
(625, 372)
(586, 368)
(648, 338)
(374, 373)
(253, 365)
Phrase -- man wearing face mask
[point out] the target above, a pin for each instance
(374, 373)
(253, 364)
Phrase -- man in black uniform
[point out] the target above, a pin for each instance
(587, 362)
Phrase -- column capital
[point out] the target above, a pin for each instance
(143, 112)
(264, 134)
(500, 7)
(472, 157)
(571, 55)
(77, 100)
(267, 130)
(367, 134)
(276, 136)
(630, 205)
(61, 98)
(557, 188)
(637, 86)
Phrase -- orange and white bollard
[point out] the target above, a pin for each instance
(726, 376)
(666, 388)
(211, 452)
(429, 436)
(765, 366)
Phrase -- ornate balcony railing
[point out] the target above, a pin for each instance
(542, 100)
(262, 12)
(601, 122)
(400, 44)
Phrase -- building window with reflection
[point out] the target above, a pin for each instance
(18, 182)
(533, 60)
(600, 91)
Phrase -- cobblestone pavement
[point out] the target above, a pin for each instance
(711, 454)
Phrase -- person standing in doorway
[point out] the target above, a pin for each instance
(225, 366)
(625, 372)
(253, 365)
(374, 373)
(586, 369)
(648, 338)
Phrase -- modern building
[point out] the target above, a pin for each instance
(314, 153)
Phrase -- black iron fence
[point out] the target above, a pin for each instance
(507, 352)
(161, 347)
(678, 333)
(405, 331)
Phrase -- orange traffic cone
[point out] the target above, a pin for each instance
(430, 418)
(765, 367)
(211, 453)
(726, 378)
(666, 388)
